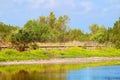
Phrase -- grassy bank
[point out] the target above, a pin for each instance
(12, 69)
(74, 52)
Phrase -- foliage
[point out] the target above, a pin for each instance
(75, 34)
(5, 31)
(56, 29)
(98, 33)
(114, 33)
(22, 36)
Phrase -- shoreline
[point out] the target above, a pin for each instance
(62, 61)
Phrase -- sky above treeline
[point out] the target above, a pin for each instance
(81, 12)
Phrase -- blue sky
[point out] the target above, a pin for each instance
(82, 12)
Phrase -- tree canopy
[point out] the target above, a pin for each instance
(57, 29)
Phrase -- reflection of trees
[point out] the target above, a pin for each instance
(21, 75)
(25, 75)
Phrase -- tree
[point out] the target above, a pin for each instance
(42, 32)
(52, 20)
(30, 24)
(5, 31)
(98, 33)
(43, 20)
(75, 34)
(114, 33)
(21, 38)
(94, 28)
(61, 27)
(40, 29)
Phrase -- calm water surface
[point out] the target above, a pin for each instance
(96, 73)
(60, 73)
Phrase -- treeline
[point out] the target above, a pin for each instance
(6, 30)
(56, 29)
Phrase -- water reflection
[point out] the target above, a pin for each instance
(98, 73)
(24, 75)
(59, 72)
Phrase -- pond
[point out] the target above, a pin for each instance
(60, 72)
(96, 73)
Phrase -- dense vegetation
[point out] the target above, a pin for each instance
(52, 29)
(6, 30)
(10, 55)
(56, 29)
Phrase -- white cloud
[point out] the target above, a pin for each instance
(48, 4)
(51, 4)
(69, 4)
(113, 6)
(60, 4)
(86, 5)
(36, 4)
(78, 7)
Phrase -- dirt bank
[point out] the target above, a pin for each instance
(62, 61)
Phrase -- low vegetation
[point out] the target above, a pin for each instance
(74, 52)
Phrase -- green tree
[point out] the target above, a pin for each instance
(94, 28)
(52, 20)
(61, 27)
(42, 32)
(98, 33)
(30, 24)
(43, 20)
(114, 33)
(21, 38)
(5, 31)
(75, 34)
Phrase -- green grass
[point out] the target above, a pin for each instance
(74, 52)
(79, 52)
(10, 55)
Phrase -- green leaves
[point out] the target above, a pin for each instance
(114, 34)
(56, 29)
(5, 31)
(22, 36)
(98, 33)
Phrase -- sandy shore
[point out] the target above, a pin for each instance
(62, 61)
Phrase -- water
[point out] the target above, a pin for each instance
(96, 73)
(59, 72)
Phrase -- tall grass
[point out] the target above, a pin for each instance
(74, 52)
